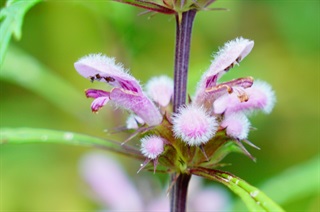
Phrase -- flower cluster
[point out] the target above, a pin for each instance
(215, 118)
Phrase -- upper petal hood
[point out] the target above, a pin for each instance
(102, 68)
(232, 53)
(229, 55)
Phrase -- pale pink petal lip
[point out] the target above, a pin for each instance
(260, 97)
(141, 105)
(237, 125)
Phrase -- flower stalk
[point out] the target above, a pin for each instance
(183, 39)
(184, 21)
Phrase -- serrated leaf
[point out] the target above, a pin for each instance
(31, 135)
(254, 199)
(11, 17)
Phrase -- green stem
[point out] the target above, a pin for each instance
(178, 195)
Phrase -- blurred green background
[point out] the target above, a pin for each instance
(45, 177)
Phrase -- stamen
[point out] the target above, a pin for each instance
(220, 87)
(92, 78)
(242, 95)
(109, 79)
(238, 59)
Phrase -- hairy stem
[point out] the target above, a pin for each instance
(178, 196)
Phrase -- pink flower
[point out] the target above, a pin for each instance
(194, 125)
(127, 92)
(230, 99)
(231, 54)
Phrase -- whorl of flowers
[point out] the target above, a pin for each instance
(215, 117)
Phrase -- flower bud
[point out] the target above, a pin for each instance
(152, 146)
(194, 126)
(160, 90)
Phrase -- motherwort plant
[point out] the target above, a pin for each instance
(201, 132)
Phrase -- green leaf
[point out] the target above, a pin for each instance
(295, 183)
(30, 135)
(11, 17)
(254, 199)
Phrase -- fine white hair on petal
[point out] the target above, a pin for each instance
(229, 55)
(152, 146)
(193, 125)
(99, 63)
(160, 89)
(105, 69)
(266, 88)
(237, 125)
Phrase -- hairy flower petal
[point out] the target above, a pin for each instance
(102, 68)
(229, 55)
(237, 125)
(260, 96)
(139, 104)
(160, 90)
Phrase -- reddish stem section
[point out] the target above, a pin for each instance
(182, 52)
(178, 195)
